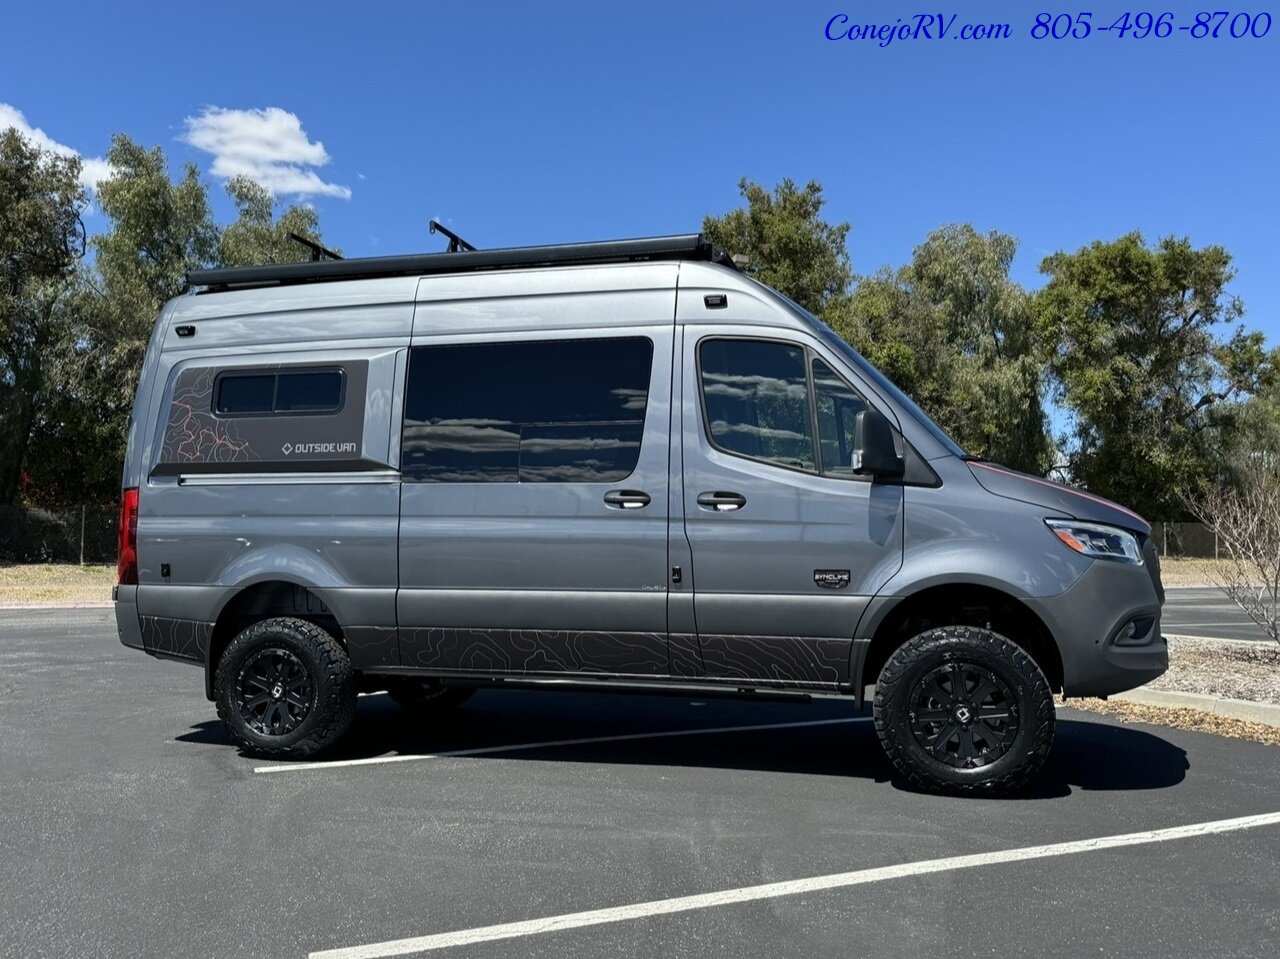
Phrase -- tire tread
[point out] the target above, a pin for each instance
(335, 706)
(935, 643)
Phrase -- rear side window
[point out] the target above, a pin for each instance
(569, 411)
(756, 394)
(283, 392)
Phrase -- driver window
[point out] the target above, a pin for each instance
(838, 408)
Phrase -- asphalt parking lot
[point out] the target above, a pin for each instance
(1206, 611)
(128, 827)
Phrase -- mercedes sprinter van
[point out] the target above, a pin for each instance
(621, 466)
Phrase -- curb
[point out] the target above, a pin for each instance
(1266, 713)
(10, 607)
(1218, 639)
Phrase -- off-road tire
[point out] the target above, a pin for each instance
(332, 688)
(899, 691)
(424, 697)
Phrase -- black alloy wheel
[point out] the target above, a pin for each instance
(275, 692)
(964, 714)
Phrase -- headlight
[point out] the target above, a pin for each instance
(1094, 539)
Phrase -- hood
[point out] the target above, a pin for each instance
(1055, 497)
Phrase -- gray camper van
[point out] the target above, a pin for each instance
(622, 466)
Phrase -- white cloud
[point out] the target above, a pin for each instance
(268, 146)
(92, 169)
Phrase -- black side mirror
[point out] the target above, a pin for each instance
(874, 453)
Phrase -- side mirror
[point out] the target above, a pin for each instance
(874, 453)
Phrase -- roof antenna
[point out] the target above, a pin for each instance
(318, 252)
(456, 243)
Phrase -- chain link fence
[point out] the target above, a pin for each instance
(1186, 540)
(85, 534)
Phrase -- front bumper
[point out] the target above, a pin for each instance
(1088, 619)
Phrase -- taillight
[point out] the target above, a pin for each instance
(127, 564)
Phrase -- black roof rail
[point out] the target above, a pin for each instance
(692, 246)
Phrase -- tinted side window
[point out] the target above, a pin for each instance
(258, 394)
(838, 408)
(312, 391)
(242, 394)
(756, 398)
(540, 412)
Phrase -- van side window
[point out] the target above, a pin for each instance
(756, 397)
(555, 411)
(286, 391)
(838, 407)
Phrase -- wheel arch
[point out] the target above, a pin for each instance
(265, 599)
(895, 620)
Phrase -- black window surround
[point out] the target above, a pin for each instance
(259, 405)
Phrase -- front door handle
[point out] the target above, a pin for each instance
(720, 501)
(626, 499)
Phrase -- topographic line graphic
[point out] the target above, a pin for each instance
(194, 434)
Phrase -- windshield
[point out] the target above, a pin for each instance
(881, 381)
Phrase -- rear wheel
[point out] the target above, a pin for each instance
(427, 696)
(965, 711)
(284, 688)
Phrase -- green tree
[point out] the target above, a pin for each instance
(159, 229)
(788, 245)
(256, 237)
(1142, 361)
(955, 331)
(41, 239)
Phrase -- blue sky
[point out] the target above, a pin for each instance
(530, 123)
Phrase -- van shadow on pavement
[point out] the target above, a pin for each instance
(1092, 756)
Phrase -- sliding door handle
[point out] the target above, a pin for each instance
(626, 499)
(720, 501)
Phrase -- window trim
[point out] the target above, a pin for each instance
(412, 475)
(276, 373)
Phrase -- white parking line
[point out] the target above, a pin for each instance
(662, 907)
(517, 747)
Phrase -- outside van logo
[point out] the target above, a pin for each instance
(831, 578)
(312, 448)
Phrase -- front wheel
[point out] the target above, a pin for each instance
(964, 711)
(284, 688)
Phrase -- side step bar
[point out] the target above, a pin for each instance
(652, 688)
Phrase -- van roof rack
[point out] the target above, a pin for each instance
(692, 246)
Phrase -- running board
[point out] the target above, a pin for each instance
(649, 687)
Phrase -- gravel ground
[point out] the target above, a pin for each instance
(1217, 667)
(1223, 667)
(1178, 718)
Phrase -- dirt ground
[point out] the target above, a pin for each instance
(1192, 572)
(39, 584)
